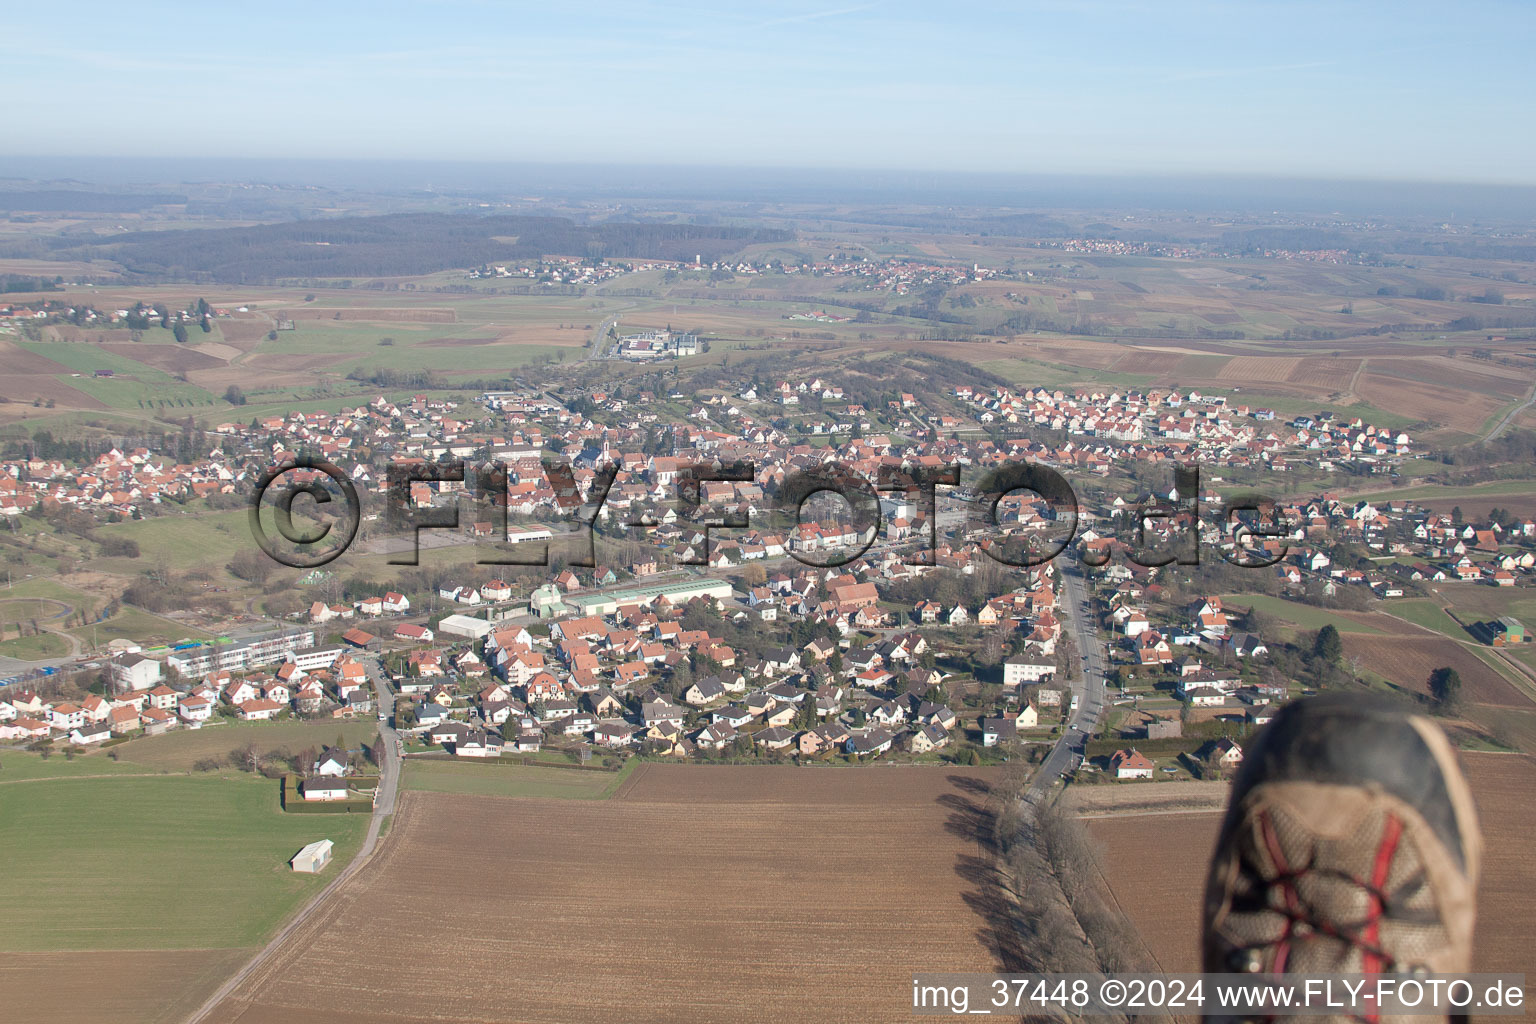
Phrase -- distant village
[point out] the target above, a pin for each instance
(668, 655)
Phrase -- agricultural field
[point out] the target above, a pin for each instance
(1407, 662)
(1155, 866)
(1301, 615)
(495, 779)
(1472, 602)
(208, 857)
(134, 385)
(700, 893)
(1155, 863)
(123, 986)
(483, 331)
(180, 749)
(1428, 614)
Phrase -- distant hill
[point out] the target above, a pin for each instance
(81, 201)
(393, 246)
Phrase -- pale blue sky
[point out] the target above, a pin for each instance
(1325, 89)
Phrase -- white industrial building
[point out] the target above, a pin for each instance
(465, 625)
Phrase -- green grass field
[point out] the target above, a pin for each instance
(176, 751)
(24, 609)
(134, 624)
(202, 539)
(512, 780)
(1474, 601)
(1441, 494)
(127, 393)
(50, 589)
(1421, 611)
(159, 863)
(1301, 615)
(84, 357)
(35, 647)
(24, 766)
(460, 358)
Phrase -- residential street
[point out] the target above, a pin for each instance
(1088, 687)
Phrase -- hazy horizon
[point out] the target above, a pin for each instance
(1315, 90)
(619, 182)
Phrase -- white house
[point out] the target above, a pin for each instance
(1131, 764)
(196, 709)
(324, 789)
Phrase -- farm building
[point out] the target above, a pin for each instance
(465, 625)
(313, 858)
(1502, 632)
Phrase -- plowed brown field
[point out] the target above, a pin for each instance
(1408, 661)
(122, 986)
(700, 893)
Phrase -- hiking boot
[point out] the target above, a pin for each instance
(1350, 846)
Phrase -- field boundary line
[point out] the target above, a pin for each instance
(1146, 812)
(66, 778)
(629, 784)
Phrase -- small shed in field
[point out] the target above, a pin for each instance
(313, 858)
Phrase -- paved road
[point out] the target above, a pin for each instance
(599, 344)
(1509, 417)
(1088, 687)
(384, 806)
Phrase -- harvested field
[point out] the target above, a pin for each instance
(1324, 374)
(1460, 410)
(243, 331)
(123, 986)
(1477, 507)
(1093, 801)
(31, 377)
(28, 389)
(19, 362)
(1408, 661)
(1462, 375)
(700, 893)
(1202, 367)
(1506, 901)
(1144, 361)
(1155, 863)
(171, 358)
(1155, 866)
(1265, 369)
